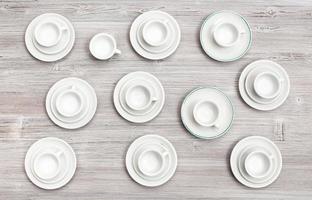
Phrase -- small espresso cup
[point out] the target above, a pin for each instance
(139, 97)
(69, 103)
(258, 164)
(267, 85)
(226, 34)
(156, 32)
(48, 33)
(103, 46)
(206, 113)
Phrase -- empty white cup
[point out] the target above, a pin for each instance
(206, 113)
(69, 103)
(103, 46)
(139, 97)
(151, 162)
(226, 34)
(258, 164)
(48, 33)
(47, 165)
(156, 32)
(267, 85)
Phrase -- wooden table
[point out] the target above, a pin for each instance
(282, 32)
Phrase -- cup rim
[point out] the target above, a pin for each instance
(71, 90)
(195, 114)
(247, 169)
(148, 23)
(59, 31)
(47, 152)
(278, 79)
(162, 166)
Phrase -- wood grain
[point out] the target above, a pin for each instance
(282, 32)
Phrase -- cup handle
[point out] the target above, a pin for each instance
(154, 99)
(59, 153)
(165, 154)
(117, 51)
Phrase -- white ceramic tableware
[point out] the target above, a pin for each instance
(71, 103)
(225, 36)
(256, 161)
(49, 37)
(264, 85)
(139, 97)
(103, 46)
(50, 163)
(151, 160)
(155, 35)
(207, 113)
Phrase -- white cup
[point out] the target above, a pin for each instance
(47, 165)
(267, 85)
(258, 164)
(48, 33)
(226, 34)
(156, 32)
(69, 103)
(103, 46)
(206, 113)
(151, 161)
(139, 97)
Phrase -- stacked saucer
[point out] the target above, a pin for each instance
(155, 35)
(139, 97)
(207, 113)
(151, 160)
(50, 163)
(225, 36)
(264, 85)
(256, 161)
(71, 103)
(49, 37)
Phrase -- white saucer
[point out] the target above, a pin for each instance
(246, 82)
(225, 52)
(145, 163)
(154, 52)
(144, 86)
(57, 51)
(71, 103)
(50, 163)
(207, 113)
(264, 145)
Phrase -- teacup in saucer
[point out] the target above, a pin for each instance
(258, 164)
(206, 113)
(139, 97)
(103, 46)
(48, 33)
(151, 162)
(47, 165)
(156, 32)
(267, 85)
(226, 34)
(69, 103)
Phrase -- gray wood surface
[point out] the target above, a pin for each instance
(282, 32)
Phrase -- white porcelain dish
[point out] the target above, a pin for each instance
(50, 163)
(207, 113)
(225, 36)
(155, 35)
(71, 103)
(264, 85)
(256, 162)
(151, 160)
(49, 37)
(139, 97)
(103, 46)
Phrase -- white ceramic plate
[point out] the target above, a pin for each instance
(149, 161)
(56, 52)
(152, 52)
(46, 171)
(267, 145)
(71, 103)
(247, 77)
(210, 122)
(130, 81)
(225, 53)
